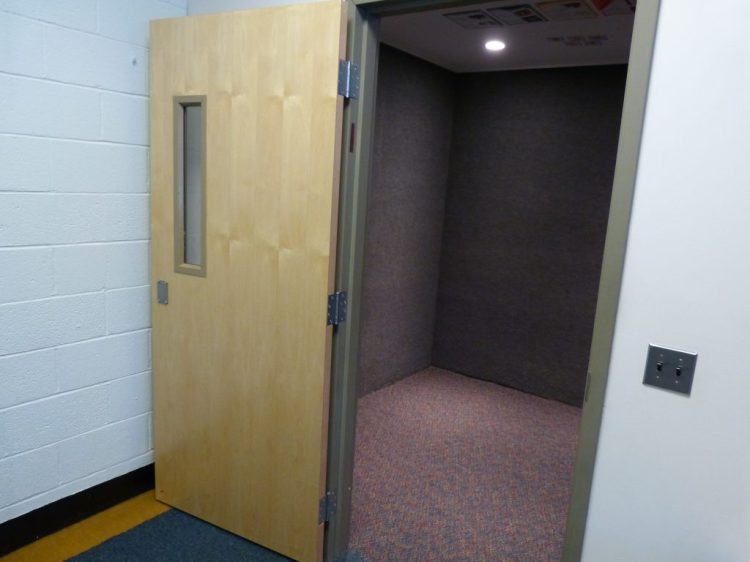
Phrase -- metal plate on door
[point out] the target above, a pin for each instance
(162, 292)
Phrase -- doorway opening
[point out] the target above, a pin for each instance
(486, 215)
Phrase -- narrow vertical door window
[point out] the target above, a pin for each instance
(190, 185)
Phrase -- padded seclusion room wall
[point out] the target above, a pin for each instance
(486, 219)
(532, 163)
(404, 218)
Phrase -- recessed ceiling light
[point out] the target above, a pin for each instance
(494, 45)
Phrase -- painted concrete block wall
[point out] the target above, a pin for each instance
(75, 381)
(672, 476)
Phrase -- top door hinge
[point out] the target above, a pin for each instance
(348, 79)
(327, 507)
(337, 308)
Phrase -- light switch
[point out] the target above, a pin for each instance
(670, 368)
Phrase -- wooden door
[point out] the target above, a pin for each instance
(241, 352)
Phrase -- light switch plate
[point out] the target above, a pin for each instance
(670, 369)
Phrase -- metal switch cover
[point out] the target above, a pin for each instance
(670, 369)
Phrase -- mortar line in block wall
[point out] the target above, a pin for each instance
(132, 463)
(122, 241)
(77, 435)
(96, 33)
(71, 344)
(66, 192)
(71, 295)
(73, 84)
(67, 393)
(70, 139)
(76, 244)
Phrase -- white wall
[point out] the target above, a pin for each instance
(672, 477)
(75, 390)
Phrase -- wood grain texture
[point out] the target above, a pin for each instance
(242, 357)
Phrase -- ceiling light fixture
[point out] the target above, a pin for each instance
(494, 45)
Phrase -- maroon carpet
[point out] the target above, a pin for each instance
(452, 468)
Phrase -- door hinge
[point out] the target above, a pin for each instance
(337, 308)
(586, 388)
(348, 79)
(162, 292)
(327, 507)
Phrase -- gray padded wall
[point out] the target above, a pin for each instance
(532, 164)
(404, 218)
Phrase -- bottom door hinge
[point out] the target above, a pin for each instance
(327, 507)
(337, 303)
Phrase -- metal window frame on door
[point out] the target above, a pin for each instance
(180, 184)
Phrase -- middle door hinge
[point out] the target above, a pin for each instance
(327, 507)
(337, 303)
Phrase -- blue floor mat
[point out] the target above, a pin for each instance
(175, 536)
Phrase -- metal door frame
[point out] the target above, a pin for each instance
(363, 40)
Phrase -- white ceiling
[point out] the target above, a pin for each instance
(597, 39)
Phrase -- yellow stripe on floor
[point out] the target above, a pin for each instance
(90, 532)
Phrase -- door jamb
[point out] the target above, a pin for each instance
(613, 263)
(363, 50)
(358, 122)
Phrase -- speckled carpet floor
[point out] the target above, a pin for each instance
(450, 468)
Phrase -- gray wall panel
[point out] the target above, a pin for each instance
(532, 163)
(404, 218)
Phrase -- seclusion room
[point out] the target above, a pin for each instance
(374, 280)
(496, 133)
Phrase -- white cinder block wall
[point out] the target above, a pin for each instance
(75, 381)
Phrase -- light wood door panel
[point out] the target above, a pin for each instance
(241, 357)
